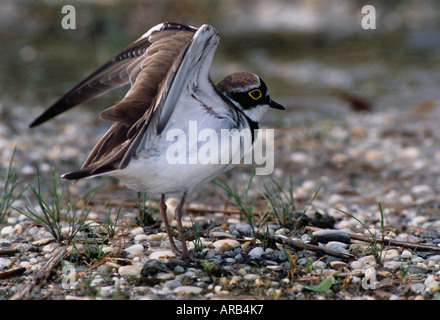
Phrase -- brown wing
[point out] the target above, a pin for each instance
(135, 109)
(120, 70)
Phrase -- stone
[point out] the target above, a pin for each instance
(256, 252)
(337, 246)
(8, 230)
(185, 290)
(431, 284)
(225, 244)
(241, 229)
(171, 204)
(431, 263)
(50, 247)
(162, 254)
(157, 236)
(179, 270)
(4, 262)
(392, 265)
(356, 265)
(328, 235)
(367, 259)
(152, 267)
(392, 253)
(406, 254)
(136, 231)
(359, 249)
(42, 242)
(220, 234)
(140, 237)
(251, 276)
(282, 232)
(417, 270)
(435, 257)
(338, 265)
(417, 287)
(135, 249)
(130, 272)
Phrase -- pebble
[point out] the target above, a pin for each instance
(157, 236)
(171, 204)
(135, 249)
(367, 260)
(179, 270)
(356, 264)
(337, 246)
(338, 265)
(406, 254)
(7, 231)
(392, 265)
(241, 229)
(251, 276)
(140, 237)
(186, 290)
(220, 234)
(431, 284)
(223, 245)
(435, 258)
(130, 272)
(137, 231)
(256, 252)
(417, 287)
(392, 253)
(162, 254)
(4, 262)
(327, 235)
(49, 247)
(417, 270)
(431, 263)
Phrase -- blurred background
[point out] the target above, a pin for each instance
(315, 57)
(311, 53)
(362, 105)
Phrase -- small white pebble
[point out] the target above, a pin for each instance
(137, 231)
(133, 271)
(406, 254)
(135, 247)
(8, 230)
(256, 252)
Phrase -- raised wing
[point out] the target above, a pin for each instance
(122, 69)
(122, 141)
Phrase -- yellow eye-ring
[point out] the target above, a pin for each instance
(255, 94)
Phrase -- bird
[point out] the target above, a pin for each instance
(168, 69)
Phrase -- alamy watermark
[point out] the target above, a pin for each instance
(369, 279)
(69, 20)
(70, 277)
(369, 18)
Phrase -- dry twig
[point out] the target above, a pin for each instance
(12, 272)
(388, 242)
(301, 246)
(41, 275)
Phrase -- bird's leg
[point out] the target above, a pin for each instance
(178, 217)
(163, 212)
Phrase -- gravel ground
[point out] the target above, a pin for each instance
(354, 159)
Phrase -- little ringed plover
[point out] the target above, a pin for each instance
(168, 69)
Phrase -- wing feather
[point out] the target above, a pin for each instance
(120, 70)
(173, 60)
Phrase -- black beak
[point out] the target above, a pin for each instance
(275, 105)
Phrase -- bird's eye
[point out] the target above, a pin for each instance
(255, 94)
